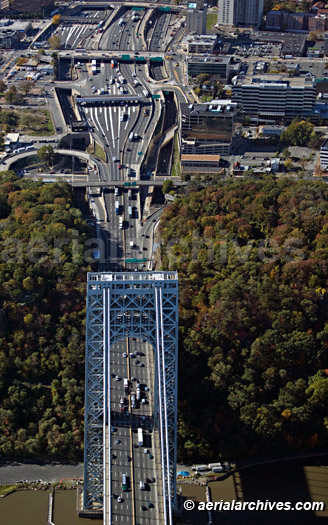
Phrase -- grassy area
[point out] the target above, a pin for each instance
(5, 489)
(99, 152)
(176, 170)
(206, 98)
(212, 19)
(35, 122)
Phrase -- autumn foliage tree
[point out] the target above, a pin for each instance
(252, 258)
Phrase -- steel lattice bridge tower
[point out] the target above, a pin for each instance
(120, 305)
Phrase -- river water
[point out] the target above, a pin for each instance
(31, 508)
(287, 481)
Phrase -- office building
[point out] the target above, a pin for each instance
(196, 18)
(211, 128)
(198, 44)
(8, 38)
(273, 99)
(244, 12)
(214, 66)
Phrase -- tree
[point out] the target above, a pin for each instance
(288, 164)
(3, 86)
(167, 186)
(298, 133)
(25, 86)
(303, 6)
(54, 42)
(12, 96)
(200, 79)
(47, 154)
(56, 19)
(41, 52)
(246, 120)
(285, 153)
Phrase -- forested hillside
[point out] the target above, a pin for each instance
(253, 267)
(42, 313)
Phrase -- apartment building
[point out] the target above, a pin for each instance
(211, 128)
(274, 99)
(196, 18)
(244, 12)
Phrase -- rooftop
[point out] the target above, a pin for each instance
(211, 59)
(215, 107)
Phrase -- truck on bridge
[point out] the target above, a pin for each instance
(140, 437)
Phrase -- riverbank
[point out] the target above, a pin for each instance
(11, 472)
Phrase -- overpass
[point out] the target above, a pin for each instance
(143, 306)
(109, 99)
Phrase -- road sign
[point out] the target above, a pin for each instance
(135, 260)
(156, 59)
(165, 9)
(140, 59)
(135, 8)
(155, 96)
(140, 153)
(125, 57)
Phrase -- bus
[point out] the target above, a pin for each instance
(140, 437)
(124, 483)
(131, 136)
(126, 386)
(117, 208)
(130, 211)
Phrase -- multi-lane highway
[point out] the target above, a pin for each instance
(131, 390)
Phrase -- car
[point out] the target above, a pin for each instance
(117, 441)
(119, 499)
(137, 362)
(117, 378)
(113, 429)
(150, 505)
(114, 496)
(153, 480)
(125, 354)
(132, 354)
(141, 364)
(146, 451)
(151, 456)
(146, 389)
(120, 166)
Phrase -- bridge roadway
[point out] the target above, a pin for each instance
(125, 456)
